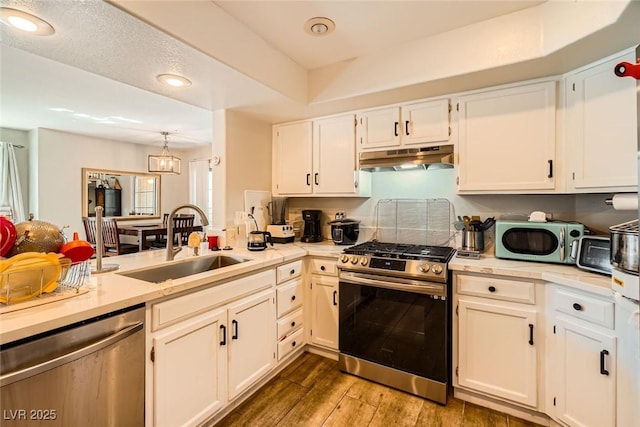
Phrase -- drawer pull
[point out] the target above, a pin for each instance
(577, 306)
(223, 330)
(322, 268)
(293, 298)
(603, 354)
(530, 334)
(293, 324)
(492, 288)
(292, 272)
(293, 344)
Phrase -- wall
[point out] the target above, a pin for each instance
(56, 178)
(19, 137)
(244, 147)
(587, 208)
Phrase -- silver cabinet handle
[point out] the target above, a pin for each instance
(68, 357)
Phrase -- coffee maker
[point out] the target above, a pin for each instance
(312, 230)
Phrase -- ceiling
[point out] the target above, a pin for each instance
(102, 60)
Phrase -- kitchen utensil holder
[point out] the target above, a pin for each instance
(473, 240)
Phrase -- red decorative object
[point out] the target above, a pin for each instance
(626, 69)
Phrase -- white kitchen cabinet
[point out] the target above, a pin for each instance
(189, 369)
(290, 313)
(581, 358)
(506, 139)
(420, 123)
(207, 347)
(318, 158)
(601, 128)
(498, 339)
(292, 158)
(324, 311)
(251, 323)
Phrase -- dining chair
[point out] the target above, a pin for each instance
(182, 227)
(111, 239)
(90, 230)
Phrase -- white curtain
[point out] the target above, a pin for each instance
(10, 189)
(201, 185)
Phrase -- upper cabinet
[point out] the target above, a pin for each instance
(318, 158)
(601, 129)
(420, 123)
(506, 139)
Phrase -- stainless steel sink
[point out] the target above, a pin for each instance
(183, 268)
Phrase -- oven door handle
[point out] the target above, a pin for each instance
(367, 280)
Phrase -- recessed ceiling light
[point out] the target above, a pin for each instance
(173, 80)
(319, 26)
(25, 22)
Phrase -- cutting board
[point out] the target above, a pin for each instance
(255, 203)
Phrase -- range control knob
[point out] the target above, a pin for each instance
(354, 260)
(364, 261)
(437, 269)
(344, 258)
(424, 268)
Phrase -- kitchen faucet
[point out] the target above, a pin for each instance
(171, 251)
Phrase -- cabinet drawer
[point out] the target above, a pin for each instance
(289, 296)
(289, 323)
(324, 266)
(492, 287)
(584, 307)
(292, 342)
(289, 271)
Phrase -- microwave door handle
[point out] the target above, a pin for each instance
(562, 244)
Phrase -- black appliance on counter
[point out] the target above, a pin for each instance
(394, 317)
(312, 232)
(345, 231)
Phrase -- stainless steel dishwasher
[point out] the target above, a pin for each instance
(87, 374)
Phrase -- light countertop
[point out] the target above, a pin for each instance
(111, 291)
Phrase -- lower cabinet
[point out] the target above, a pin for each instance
(581, 358)
(499, 356)
(198, 363)
(289, 302)
(324, 311)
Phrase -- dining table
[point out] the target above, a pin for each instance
(144, 231)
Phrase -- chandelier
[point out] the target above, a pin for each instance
(164, 163)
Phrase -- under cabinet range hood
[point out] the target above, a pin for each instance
(440, 157)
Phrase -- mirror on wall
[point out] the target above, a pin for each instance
(126, 195)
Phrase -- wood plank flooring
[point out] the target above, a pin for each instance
(312, 392)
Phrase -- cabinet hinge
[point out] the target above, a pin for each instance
(456, 371)
(449, 107)
(554, 401)
(355, 122)
(153, 354)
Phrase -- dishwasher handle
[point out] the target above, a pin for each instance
(68, 357)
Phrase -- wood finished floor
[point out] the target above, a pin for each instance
(312, 392)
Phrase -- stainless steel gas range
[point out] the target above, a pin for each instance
(394, 317)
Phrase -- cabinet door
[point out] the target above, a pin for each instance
(425, 122)
(252, 338)
(292, 154)
(497, 350)
(189, 370)
(585, 367)
(507, 139)
(324, 311)
(379, 128)
(601, 127)
(334, 155)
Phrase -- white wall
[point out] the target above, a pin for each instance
(587, 208)
(57, 178)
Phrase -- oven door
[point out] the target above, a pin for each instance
(398, 323)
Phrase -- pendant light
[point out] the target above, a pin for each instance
(164, 163)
